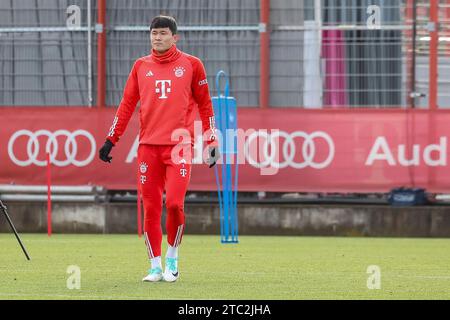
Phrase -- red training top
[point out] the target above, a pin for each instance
(169, 87)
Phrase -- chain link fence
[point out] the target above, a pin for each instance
(42, 62)
(323, 53)
(224, 34)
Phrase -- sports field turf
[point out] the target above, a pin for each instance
(259, 267)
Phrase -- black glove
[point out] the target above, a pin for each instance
(213, 155)
(105, 150)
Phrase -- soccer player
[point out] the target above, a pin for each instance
(170, 85)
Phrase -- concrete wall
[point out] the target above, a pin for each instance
(285, 219)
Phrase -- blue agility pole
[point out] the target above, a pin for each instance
(225, 110)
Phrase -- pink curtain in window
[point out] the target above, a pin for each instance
(333, 52)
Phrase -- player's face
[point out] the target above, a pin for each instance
(162, 39)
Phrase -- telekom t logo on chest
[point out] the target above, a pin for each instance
(163, 87)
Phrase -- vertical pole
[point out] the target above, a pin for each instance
(219, 192)
(101, 53)
(227, 157)
(49, 198)
(318, 20)
(89, 51)
(411, 15)
(447, 33)
(434, 38)
(264, 80)
(433, 26)
(225, 182)
(410, 125)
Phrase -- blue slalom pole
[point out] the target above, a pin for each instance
(227, 196)
(219, 191)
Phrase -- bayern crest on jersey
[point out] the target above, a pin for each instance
(179, 71)
(143, 167)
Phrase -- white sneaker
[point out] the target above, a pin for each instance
(171, 271)
(154, 275)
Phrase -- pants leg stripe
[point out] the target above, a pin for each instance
(178, 237)
(149, 247)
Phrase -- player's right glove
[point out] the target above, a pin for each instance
(105, 150)
(213, 155)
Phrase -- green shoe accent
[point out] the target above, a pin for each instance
(155, 271)
(171, 264)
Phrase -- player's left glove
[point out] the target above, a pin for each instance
(213, 155)
(103, 153)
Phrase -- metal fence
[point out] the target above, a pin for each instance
(422, 49)
(224, 34)
(42, 62)
(323, 53)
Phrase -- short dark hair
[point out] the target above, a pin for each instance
(164, 22)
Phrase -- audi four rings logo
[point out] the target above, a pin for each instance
(70, 147)
(289, 149)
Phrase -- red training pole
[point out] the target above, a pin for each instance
(49, 198)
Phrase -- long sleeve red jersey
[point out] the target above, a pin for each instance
(169, 87)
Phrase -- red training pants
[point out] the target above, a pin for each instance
(163, 167)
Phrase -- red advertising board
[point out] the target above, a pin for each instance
(290, 150)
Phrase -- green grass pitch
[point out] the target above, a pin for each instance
(259, 267)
